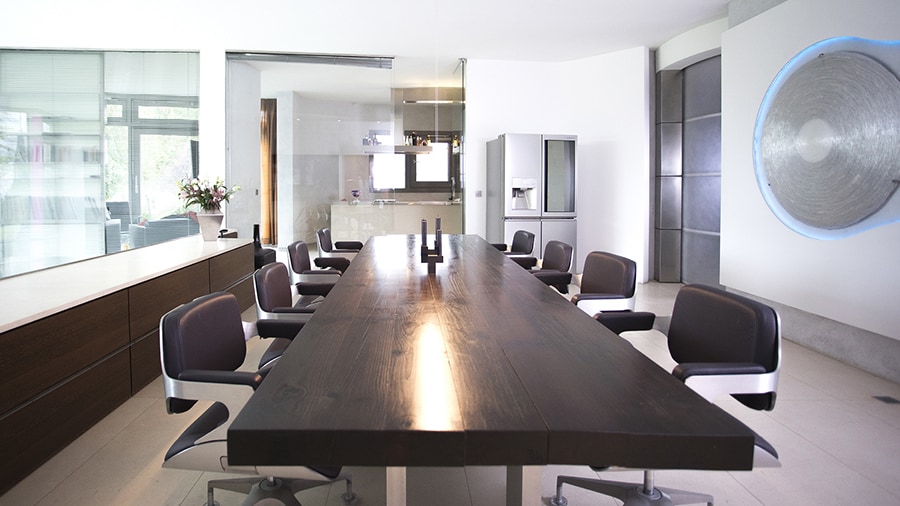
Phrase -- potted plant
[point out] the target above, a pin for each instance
(209, 196)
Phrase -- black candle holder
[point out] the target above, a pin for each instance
(431, 256)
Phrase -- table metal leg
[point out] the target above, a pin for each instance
(396, 486)
(523, 485)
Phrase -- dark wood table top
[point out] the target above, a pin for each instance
(478, 364)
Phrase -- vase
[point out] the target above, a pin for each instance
(210, 223)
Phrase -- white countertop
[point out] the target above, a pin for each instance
(389, 202)
(29, 297)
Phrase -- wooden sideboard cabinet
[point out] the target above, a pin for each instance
(78, 340)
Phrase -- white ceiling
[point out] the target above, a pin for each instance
(427, 38)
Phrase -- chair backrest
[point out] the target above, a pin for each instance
(273, 287)
(609, 274)
(323, 236)
(522, 243)
(204, 334)
(298, 256)
(557, 256)
(712, 325)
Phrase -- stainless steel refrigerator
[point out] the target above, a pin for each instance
(531, 186)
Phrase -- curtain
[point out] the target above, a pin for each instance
(268, 171)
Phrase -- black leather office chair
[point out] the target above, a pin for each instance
(607, 283)
(724, 343)
(274, 297)
(307, 280)
(338, 263)
(335, 255)
(202, 346)
(555, 265)
(522, 244)
(279, 316)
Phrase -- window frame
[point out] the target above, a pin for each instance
(412, 186)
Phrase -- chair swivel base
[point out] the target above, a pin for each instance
(632, 494)
(267, 489)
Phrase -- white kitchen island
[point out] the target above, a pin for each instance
(361, 221)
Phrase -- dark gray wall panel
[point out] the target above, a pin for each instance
(668, 208)
(701, 207)
(669, 96)
(703, 146)
(668, 256)
(703, 88)
(700, 258)
(669, 139)
(689, 105)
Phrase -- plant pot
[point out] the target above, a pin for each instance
(210, 224)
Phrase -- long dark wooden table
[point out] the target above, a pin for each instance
(477, 364)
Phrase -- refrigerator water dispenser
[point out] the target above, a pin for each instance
(523, 193)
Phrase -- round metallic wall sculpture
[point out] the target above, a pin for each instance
(827, 140)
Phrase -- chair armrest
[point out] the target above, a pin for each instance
(314, 288)
(250, 379)
(688, 369)
(183, 392)
(556, 279)
(291, 317)
(553, 277)
(626, 321)
(269, 328)
(319, 275)
(499, 245)
(578, 297)
(338, 263)
(525, 261)
(349, 254)
(593, 303)
(348, 245)
(716, 380)
(294, 310)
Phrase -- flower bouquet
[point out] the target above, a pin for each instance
(209, 196)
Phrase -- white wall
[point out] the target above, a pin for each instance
(243, 158)
(852, 280)
(288, 108)
(501, 97)
(605, 101)
(691, 47)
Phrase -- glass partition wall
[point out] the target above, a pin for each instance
(367, 132)
(91, 144)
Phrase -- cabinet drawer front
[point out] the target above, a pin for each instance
(150, 300)
(229, 268)
(34, 433)
(39, 355)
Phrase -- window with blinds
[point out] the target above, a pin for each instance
(86, 140)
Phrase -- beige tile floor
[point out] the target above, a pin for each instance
(838, 446)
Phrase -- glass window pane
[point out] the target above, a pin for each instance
(116, 162)
(114, 111)
(167, 112)
(70, 181)
(388, 171)
(164, 160)
(51, 187)
(434, 166)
